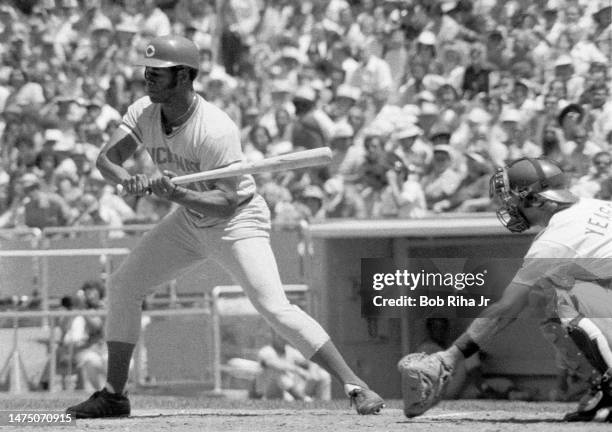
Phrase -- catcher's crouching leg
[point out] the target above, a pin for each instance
(424, 378)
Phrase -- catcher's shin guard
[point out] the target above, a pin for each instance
(588, 344)
(424, 378)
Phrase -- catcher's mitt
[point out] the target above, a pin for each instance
(424, 378)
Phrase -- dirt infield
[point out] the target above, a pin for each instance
(162, 413)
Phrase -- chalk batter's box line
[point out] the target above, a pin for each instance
(475, 414)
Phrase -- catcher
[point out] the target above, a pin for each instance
(568, 263)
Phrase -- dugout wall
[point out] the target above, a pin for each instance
(372, 346)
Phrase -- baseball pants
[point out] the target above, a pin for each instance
(175, 245)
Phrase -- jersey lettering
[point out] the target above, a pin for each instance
(599, 221)
(162, 155)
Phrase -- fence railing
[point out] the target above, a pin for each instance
(51, 316)
(22, 275)
(44, 263)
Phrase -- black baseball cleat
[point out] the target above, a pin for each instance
(101, 404)
(366, 401)
(594, 406)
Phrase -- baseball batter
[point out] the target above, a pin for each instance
(224, 220)
(569, 264)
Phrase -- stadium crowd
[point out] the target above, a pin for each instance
(419, 100)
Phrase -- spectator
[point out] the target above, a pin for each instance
(516, 141)
(599, 112)
(442, 181)
(85, 335)
(258, 144)
(342, 200)
(373, 74)
(451, 108)
(602, 34)
(346, 97)
(569, 120)
(453, 66)
(375, 190)
(582, 150)
(551, 147)
(280, 94)
(68, 188)
(565, 72)
(81, 350)
(41, 208)
(440, 134)
(249, 120)
(476, 77)
(463, 136)
(414, 84)
(426, 50)
(473, 192)
(310, 204)
(544, 118)
(590, 185)
(498, 53)
(238, 18)
(413, 152)
(100, 206)
(522, 101)
(65, 364)
(342, 162)
(396, 55)
(152, 20)
(356, 119)
(282, 118)
(403, 197)
(27, 94)
(287, 375)
(307, 131)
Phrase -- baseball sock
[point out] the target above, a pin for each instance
(330, 359)
(119, 356)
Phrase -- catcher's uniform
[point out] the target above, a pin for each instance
(239, 243)
(572, 256)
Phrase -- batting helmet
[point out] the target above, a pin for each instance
(170, 50)
(521, 182)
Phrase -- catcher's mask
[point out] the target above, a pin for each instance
(525, 182)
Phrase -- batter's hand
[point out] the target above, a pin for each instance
(163, 186)
(138, 185)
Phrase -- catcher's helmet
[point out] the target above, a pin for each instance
(521, 182)
(170, 50)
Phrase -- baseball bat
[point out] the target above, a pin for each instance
(289, 161)
(285, 162)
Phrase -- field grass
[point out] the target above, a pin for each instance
(204, 413)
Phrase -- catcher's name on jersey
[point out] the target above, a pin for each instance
(431, 301)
